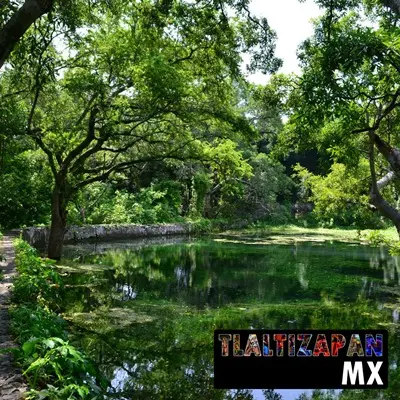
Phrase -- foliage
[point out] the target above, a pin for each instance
(135, 105)
(54, 360)
(158, 123)
(340, 197)
(394, 248)
(319, 395)
(204, 225)
(38, 282)
(148, 206)
(202, 183)
(53, 368)
(268, 189)
(265, 105)
(34, 321)
(259, 195)
(346, 104)
(377, 238)
(165, 90)
(24, 186)
(155, 204)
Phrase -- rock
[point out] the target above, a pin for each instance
(38, 237)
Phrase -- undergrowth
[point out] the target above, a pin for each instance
(377, 238)
(54, 369)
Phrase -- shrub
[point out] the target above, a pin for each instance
(377, 238)
(340, 197)
(53, 367)
(38, 281)
(395, 248)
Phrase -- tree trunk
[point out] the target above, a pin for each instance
(187, 199)
(58, 223)
(383, 182)
(19, 23)
(376, 198)
(207, 211)
(390, 153)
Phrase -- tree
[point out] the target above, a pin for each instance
(348, 97)
(19, 23)
(16, 19)
(340, 197)
(153, 84)
(265, 107)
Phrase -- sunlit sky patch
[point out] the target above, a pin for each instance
(292, 22)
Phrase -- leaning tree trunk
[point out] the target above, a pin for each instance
(392, 155)
(19, 23)
(58, 223)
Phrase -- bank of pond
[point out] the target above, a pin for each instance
(136, 319)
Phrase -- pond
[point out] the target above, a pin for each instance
(146, 311)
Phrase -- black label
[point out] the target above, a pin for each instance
(300, 359)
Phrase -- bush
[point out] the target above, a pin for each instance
(377, 238)
(38, 282)
(395, 248)
(158, 203)
(53, 368)
(24, 188)
(54, 360)
(340, 198)
(29, 321)
(261, 196)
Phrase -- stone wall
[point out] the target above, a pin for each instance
(38, 237)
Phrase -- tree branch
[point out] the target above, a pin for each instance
(35, 136)
(376, 198)
(19, 23)
(86, 142)
(384, 181)
(382, 114)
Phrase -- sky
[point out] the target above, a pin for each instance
(291, 21)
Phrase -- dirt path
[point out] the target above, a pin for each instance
(12, 385)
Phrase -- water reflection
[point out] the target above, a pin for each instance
(389, 265)
(128, 293)
(149, 320)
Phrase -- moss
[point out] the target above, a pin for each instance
(81, 268)
(104, 321)
(285, 233)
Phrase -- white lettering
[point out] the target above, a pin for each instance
(374, 373)
(348, 371)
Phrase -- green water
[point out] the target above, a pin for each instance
(146, 312)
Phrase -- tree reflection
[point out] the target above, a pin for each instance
(150, 320)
